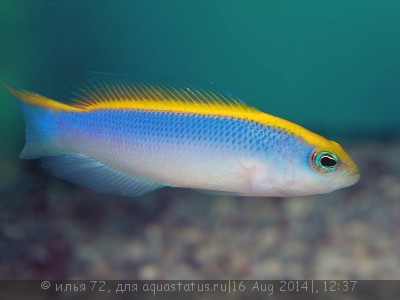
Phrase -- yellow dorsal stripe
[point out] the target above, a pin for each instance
(112, 91)
(213, 109)
(118, 92)
(38, 100)
(109, 91)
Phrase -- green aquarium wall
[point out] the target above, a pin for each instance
(331, 66)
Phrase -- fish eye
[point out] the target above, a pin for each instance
(325, 161)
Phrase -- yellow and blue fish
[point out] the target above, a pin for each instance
(128, 136)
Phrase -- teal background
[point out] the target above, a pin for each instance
(332, 66)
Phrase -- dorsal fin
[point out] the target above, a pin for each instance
(103, 90)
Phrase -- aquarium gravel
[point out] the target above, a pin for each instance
(52, 229)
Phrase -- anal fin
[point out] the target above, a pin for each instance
(102, 178)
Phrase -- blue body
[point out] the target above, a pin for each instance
(188, 130)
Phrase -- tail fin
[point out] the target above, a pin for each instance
(38, 130)
(38, 112)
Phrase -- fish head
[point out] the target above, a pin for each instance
(319, 168)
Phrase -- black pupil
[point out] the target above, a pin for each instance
(328, 161)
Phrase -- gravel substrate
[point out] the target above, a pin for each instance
(50, 229)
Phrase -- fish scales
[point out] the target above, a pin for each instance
(130, 136)
(164, 145)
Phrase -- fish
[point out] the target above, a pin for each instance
(129, 135)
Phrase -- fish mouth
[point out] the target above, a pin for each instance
(351, 171)
(353, 177)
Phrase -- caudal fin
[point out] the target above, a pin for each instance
(38, 112)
